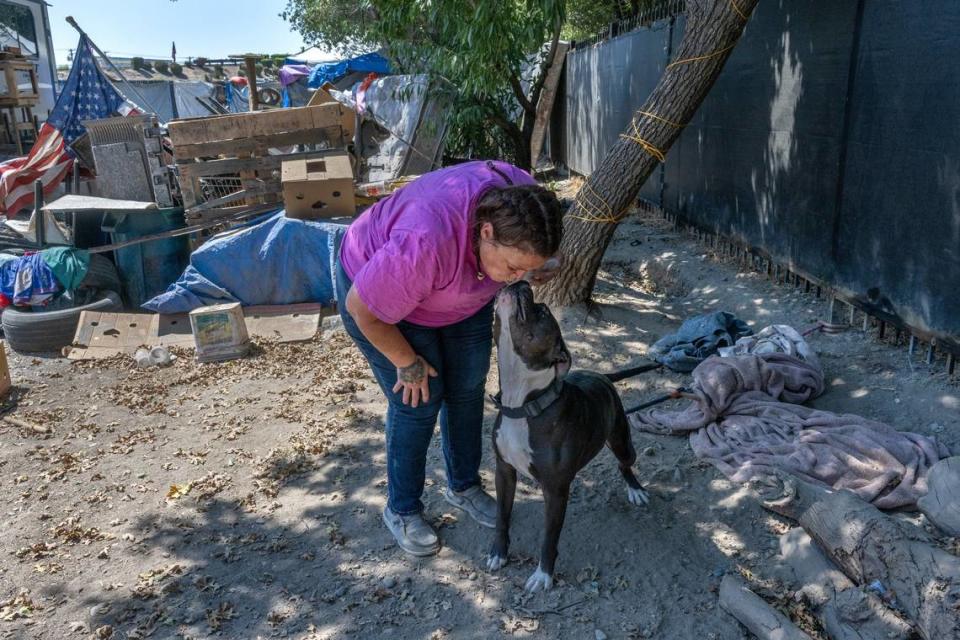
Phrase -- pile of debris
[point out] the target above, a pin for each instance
(144, 199)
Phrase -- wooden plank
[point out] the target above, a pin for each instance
(211, 215)
(78, 203)
(260, 123)
(547, 98)
(235, 165)
(335, 136)
(189, 187)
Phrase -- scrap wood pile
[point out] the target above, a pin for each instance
(225, 162)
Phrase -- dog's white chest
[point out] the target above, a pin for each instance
(513, 443)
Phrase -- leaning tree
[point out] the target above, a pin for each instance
(713, 28)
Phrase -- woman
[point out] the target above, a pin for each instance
(420, 270)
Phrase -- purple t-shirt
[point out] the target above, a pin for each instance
(411, 257)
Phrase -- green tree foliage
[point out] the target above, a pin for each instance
(176, 68)
(161, 66)
(478, 48)
(137, 63)
(474, 52)
(586, 18)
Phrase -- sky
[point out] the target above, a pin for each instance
(146, 28)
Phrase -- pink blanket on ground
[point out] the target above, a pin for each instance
(743, 422)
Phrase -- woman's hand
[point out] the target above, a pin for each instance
(414, 380)
(546, 273)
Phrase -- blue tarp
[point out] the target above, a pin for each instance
(277, 261)
(330, 72)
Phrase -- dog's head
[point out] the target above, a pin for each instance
(527, 332)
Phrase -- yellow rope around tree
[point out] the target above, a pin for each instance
(705, 57)
(739, 11)
(647, 146)
(583, 202)
(662, 119)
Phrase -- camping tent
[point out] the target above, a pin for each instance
(314, 56)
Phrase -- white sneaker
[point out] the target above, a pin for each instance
(412, 533)
(481, 506)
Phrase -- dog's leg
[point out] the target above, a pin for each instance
(622, 446)
(506, 482)
(555, 509)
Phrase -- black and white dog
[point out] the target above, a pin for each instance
(552, 422)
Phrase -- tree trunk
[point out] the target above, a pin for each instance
(846, 612)
(869, 546)
(713, 29)
(941, 505)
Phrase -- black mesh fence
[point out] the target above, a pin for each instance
(831, 141)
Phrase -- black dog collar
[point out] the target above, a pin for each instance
(534, 406)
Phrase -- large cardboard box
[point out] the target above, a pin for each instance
(318, 188)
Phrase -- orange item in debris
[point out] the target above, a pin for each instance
(239, 81)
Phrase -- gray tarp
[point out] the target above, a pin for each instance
(171, 100)
(416, 123)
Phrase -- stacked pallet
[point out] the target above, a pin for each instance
(226, 163)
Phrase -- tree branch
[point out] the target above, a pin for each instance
(521, 98)
(544, 67)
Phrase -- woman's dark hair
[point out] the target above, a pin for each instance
(527, 217)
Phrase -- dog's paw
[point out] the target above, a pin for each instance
(539, 581)
(495, 562)
(638, 497)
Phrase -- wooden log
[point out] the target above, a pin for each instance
(846, 612)
(869, 546)
(754, 613)
(250, 63)
(942, 502)
(23, 424)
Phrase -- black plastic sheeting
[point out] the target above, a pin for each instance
(830, 140)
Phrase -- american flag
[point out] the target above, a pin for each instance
(87, 95)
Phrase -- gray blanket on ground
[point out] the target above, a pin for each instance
(697, 339)
(743, 422)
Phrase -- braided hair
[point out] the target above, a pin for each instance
(528, 217)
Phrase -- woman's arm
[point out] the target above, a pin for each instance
(413, 372)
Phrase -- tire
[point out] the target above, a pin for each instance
(101, 274)
(45, 331)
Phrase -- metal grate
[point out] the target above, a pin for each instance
(114, 130)
(214, 187)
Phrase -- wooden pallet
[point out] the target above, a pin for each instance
(241, 143)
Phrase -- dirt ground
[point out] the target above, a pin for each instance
(243, 499)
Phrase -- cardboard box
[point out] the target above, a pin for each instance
(321, 95)
(318, 188)
(219, 332)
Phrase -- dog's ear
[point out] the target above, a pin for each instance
(561, 359)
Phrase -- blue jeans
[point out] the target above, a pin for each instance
(461, 355)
